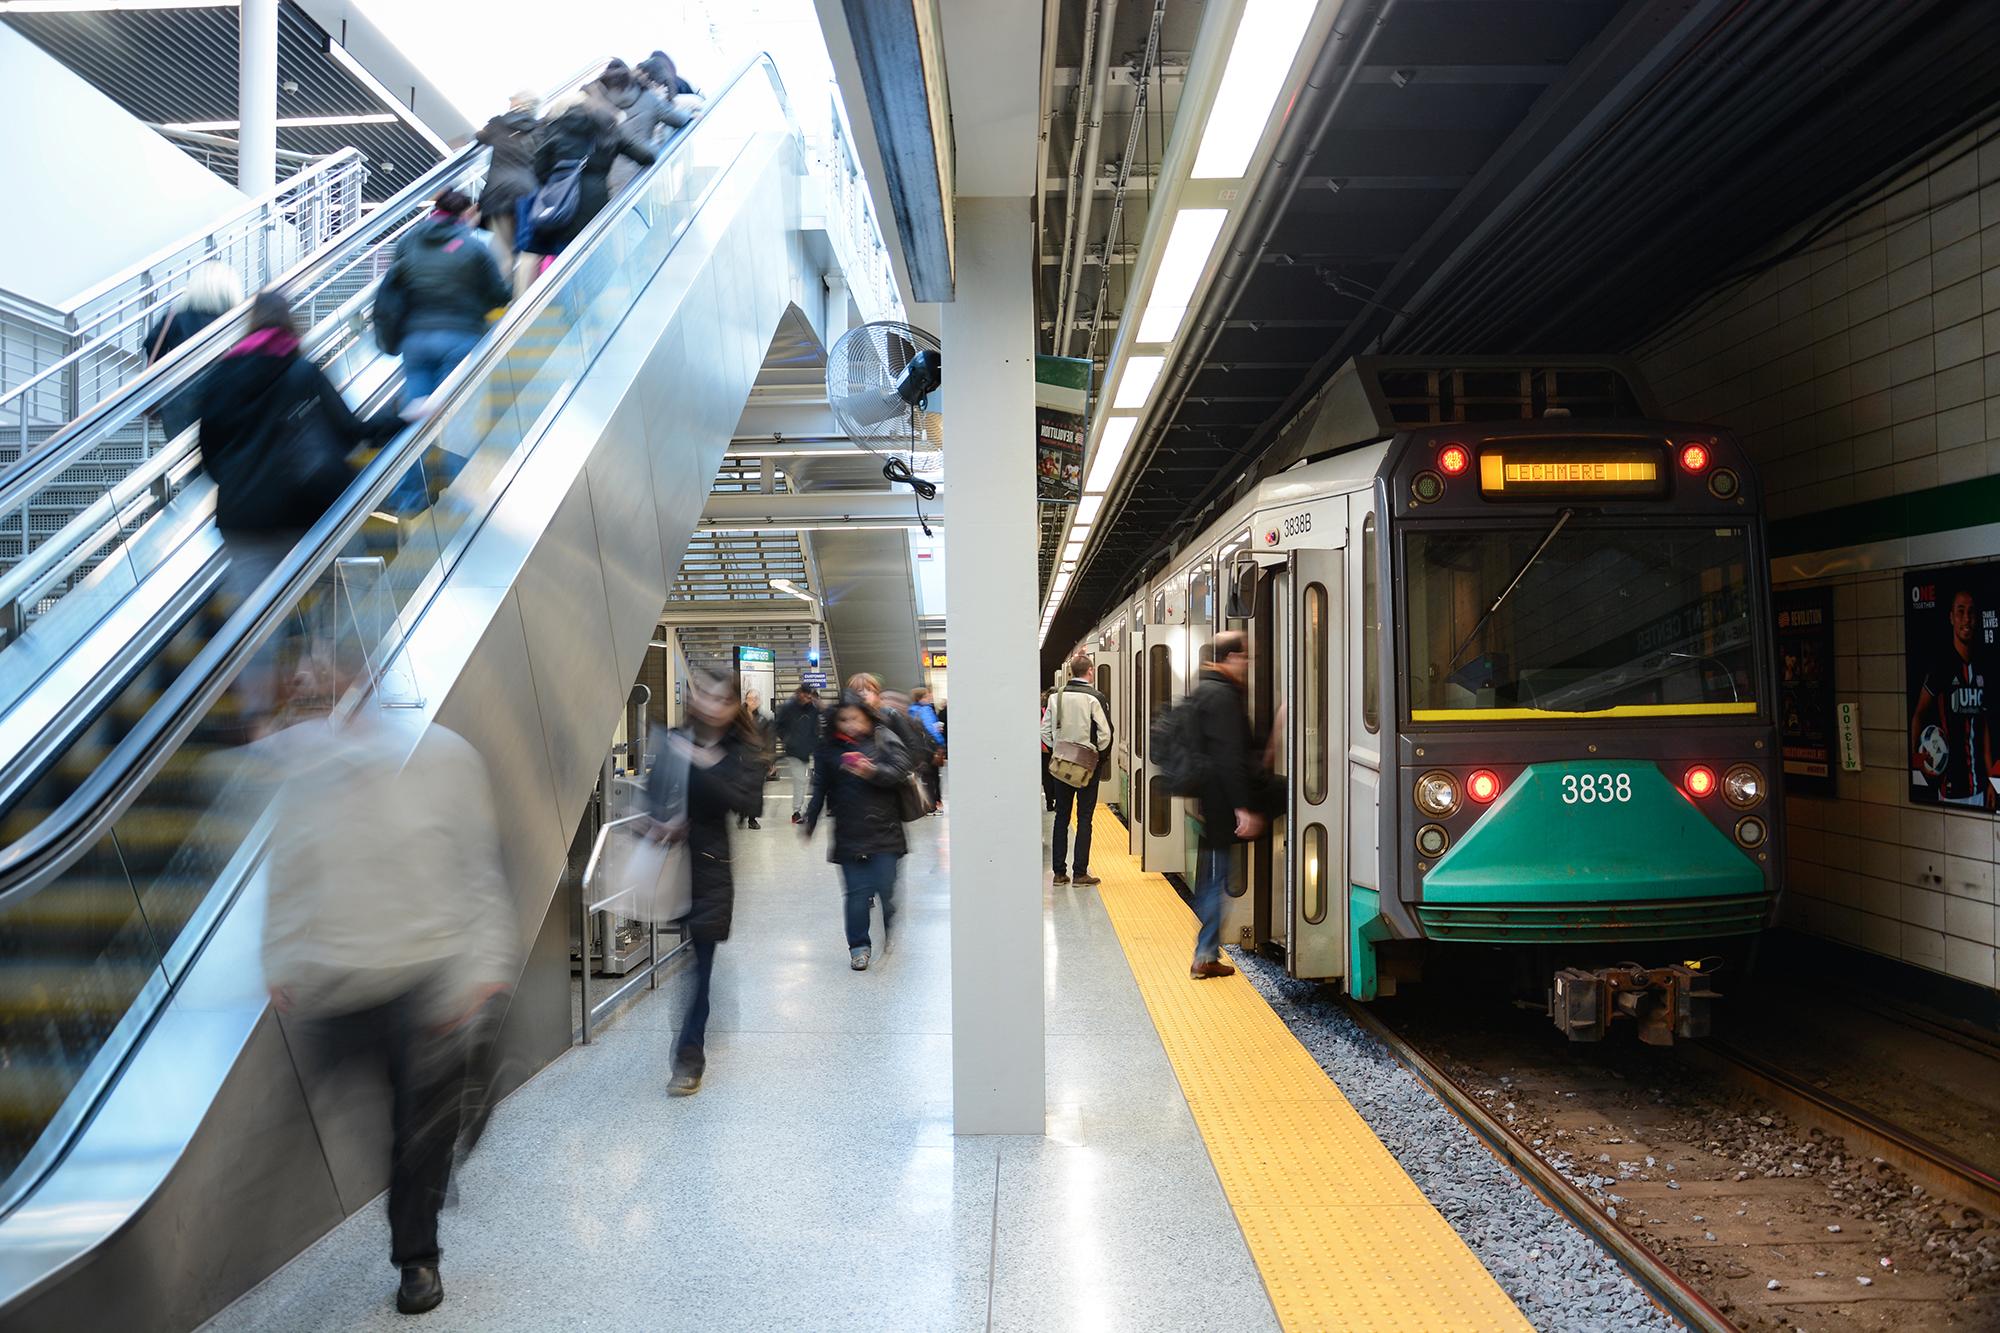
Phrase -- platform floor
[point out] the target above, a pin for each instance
(814, 1182)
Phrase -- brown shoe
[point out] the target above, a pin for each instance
(1060, 878)
(1202, 971)
(1085, 881)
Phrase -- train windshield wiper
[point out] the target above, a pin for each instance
(1458, 654)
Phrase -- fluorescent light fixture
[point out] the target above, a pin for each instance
(1078, 531)
(1111, 442)
(99, 6)
(284, 122)
(1135, 386)
(787, 586)
(1087, 507)
(1072, 551)
(1260, 59)
(389, 99)
(1181, 265)
(1067, 567)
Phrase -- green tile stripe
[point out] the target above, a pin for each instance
(1964, 504)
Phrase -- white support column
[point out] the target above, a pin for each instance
(257, 97)
(998, 1053)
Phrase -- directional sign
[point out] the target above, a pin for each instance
(813, 679)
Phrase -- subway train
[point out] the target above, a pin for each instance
(1511, 639)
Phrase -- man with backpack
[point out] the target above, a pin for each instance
(1226, 785)
(1076, 728)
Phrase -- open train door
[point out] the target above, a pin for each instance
(1316, 732)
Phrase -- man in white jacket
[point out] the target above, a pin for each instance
(1076, 712)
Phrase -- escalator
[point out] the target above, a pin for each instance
(144, 1081)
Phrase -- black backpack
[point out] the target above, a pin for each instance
(1173, 748)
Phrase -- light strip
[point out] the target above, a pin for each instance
(1087, 507)
(102, 6)
(389, 99)
(284, 122)
(1260, 59)
(1072, 551)
(1181, 264)
(1135, 386)
(1111, 442)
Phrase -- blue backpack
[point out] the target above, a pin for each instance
(551, 208)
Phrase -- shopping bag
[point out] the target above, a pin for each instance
(644, 880)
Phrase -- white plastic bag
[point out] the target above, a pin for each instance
(644, 880)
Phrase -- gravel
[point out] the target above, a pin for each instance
(1558, 1276)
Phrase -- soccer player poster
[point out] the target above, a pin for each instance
(1951, 643)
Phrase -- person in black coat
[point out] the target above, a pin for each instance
(1231, 790)
(212, 291)
(724, 777)
(582, 131)
(856, 770)
(798, 726)
(510, 177)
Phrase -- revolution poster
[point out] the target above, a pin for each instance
(1062, 389)
(1806, 724)
(1951, 640)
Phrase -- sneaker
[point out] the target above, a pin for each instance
(684, 1085)
(1202, 971)
(1085, 881)
(1060, 878)
(798, 818)
(421, 1289)
(858, 958)
(755, 824)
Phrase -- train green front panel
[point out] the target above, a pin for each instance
(1534, 847)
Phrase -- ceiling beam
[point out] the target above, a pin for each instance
(819, 509)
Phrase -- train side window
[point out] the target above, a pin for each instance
(1242, 589)
(1159, 681)
(1313, 872)
(1371, 669)
(1138, 683)
(1201, 607)
(1312, 709)
(1104, 683)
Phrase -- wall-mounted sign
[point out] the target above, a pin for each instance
(935, 660)
(1951, 640)
(1850, 738)
(815, 680)
(1805, 689)
(1062, 391)
(745, 653)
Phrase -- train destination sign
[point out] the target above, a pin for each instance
(1541, 471)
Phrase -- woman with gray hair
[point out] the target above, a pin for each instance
(212, 291)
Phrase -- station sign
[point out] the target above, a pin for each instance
(815, 680)
(746, 653)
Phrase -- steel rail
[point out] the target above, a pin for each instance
(1668, 1289)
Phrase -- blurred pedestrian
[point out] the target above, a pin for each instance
(797, 726)
(1076, 716)
(390, 937)
(510, 177)
(856, 770)
(757, 726)
(1048, 783)
(212, 291)
(1231, 794)
(581, 137)
(892, 709)
(683, 104)
(925, 714)
(639, 113)
(724, 774)
(437, 296)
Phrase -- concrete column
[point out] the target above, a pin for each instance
(998, 1054)
(257, 97)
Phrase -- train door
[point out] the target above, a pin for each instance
(1364, 699)
(1315, 734)
(1107, 660)
(1166, 683)
(1134, 718)
(1271, 654)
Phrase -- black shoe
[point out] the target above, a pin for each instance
(798, 818)
(755, 824)
(422, 1289)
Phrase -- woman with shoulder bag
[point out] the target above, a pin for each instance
(858, 772)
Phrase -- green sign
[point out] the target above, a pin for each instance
(745, 653)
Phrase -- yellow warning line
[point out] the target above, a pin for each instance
(1343, 1237)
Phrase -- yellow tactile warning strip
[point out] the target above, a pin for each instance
(1343, 1237)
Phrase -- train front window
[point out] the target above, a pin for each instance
(1635, 621)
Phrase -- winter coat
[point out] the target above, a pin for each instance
(912, 734)
(583, 132)
(732, 785)
(263, 397)
(510, 174)
(1230, 777)
(449, 280)
(641, 118)
(168, 332)
(798, 726)
(928, 718)
(867, 818)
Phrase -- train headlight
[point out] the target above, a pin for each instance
(1699, 780)
(1750, 831)
(1436, 793)
(1743, 786)
(1432, 840)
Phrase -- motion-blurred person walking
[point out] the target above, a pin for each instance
(389, 929)
(510, 178)
(798, 726)
(683, 102)
(856, 771)
(925, 714)
(213, 290)
(580, 137)
(1230, 797)
(725, 773)
(637, 110)
(433, 304)
(1076, 716)
(757, 722)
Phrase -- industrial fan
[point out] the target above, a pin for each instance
(882, 382)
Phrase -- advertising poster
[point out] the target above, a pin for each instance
(1062, 390)
(1806, 718)
(1951, 638)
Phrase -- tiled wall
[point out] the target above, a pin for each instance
(1867, 365)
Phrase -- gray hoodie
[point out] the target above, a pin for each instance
(641, 116)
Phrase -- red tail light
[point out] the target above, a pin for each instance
(1482, 786)
(1453, 459)
(1699, 781)
(1694, 458)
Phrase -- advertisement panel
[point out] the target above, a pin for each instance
(1806, 716)
(1951, 637)
(1062, 391)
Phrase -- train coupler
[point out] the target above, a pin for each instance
(1665, 1002)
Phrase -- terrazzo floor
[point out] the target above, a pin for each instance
(814, 1182)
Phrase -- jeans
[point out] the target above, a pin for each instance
(694, 1026)
(426, 1082)
(429, 355)
(1211, 883)
(800, 773)
(865, 880)
(1084, 800)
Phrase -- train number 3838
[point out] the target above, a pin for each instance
(1591, 788)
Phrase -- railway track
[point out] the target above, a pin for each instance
(1739, 1196)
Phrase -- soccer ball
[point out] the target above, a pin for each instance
(1935, 751)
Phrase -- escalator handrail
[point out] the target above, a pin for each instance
(88, 812)
(180, 368)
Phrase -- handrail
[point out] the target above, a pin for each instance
(95, 804)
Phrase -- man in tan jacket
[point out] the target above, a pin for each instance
(1077, 713)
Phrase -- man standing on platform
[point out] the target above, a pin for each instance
(1076, 713)
(798, 727)
(1229, 790)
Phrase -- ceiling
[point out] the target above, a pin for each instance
(1507, 176)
